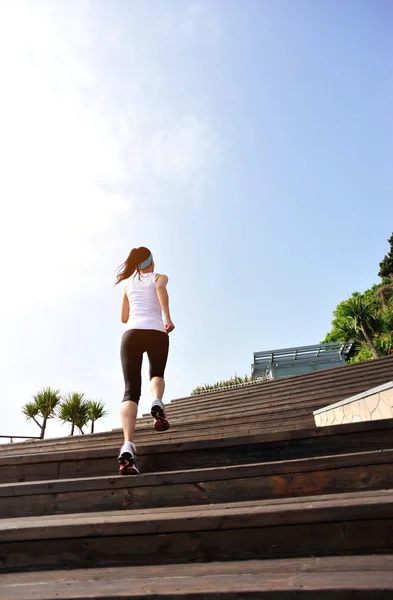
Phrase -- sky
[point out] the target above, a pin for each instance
(248, 144)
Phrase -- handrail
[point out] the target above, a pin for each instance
(20, 437)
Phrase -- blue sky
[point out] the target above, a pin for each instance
(249, 145)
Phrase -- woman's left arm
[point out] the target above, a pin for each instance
(125, 307)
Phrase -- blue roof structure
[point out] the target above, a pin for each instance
(274, 364)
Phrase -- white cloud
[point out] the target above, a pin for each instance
(179, 152)
(195, 21)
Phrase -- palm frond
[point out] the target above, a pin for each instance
(30, 410)
(47, 400)
(74, 409)
(97, 410)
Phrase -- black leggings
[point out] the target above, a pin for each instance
(133, 345)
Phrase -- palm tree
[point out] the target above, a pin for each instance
(358, 319)
(385, 340)
(74, 409)
(43, 405)
(96, 411)
(385, 295)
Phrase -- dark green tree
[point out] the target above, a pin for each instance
(367, 319)
(74, 409)
(386, 266)
(355, 319)
(96, 411)
(43, 406)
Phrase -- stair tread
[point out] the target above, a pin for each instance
(198, 474)
(293, 576)
(315, 509)
(162, 443)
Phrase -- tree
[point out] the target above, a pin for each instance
(386, 266)
(43, 405)
(358, 320)
(367, 319)
(385, 340)
(74, 409)
(384, 294)
(96, 411)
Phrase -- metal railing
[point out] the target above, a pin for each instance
(20, 437)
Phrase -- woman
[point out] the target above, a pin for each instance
(145, 310)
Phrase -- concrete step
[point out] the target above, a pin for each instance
(336, 525)
(361, 471)
(366, 577)
(225, 451)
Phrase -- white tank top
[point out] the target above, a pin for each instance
(145, 308)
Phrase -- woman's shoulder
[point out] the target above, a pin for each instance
(161, 277)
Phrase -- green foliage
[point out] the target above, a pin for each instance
(30, 410)
(74, 409)
(360, 354)
(384, 294)
(386, 266)
(366, 319)
(71, 408)
(236, 380)
(96, 411)
(43, 405)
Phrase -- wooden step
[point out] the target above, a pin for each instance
(254, 397)
(112, 439)
(360, 376)
(342, 524)
(188, 430)
(174, 435)
(367, 577)
(312, 476)
(272, 400)
(281, 445)
(190, 422)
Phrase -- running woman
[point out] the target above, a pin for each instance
(145, 310)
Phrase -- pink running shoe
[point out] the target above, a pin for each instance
(127, 460)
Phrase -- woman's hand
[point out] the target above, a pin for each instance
(169, 325)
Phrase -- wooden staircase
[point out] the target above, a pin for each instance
(278, 510)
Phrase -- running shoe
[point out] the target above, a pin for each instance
(161, 422)
(127, 460)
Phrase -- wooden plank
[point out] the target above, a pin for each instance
(366, 373)
(209, 430)
(203, 430)
(363, 471)
(372, 506)
(317, 464)
(311, 539)
(325, 564)
(109, 439)
(207, 453)
(338, 579)
(362, 378)
(279, 393)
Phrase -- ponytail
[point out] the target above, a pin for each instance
(128, 268)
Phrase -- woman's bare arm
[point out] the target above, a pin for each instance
(162, 293)
(125, 308)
